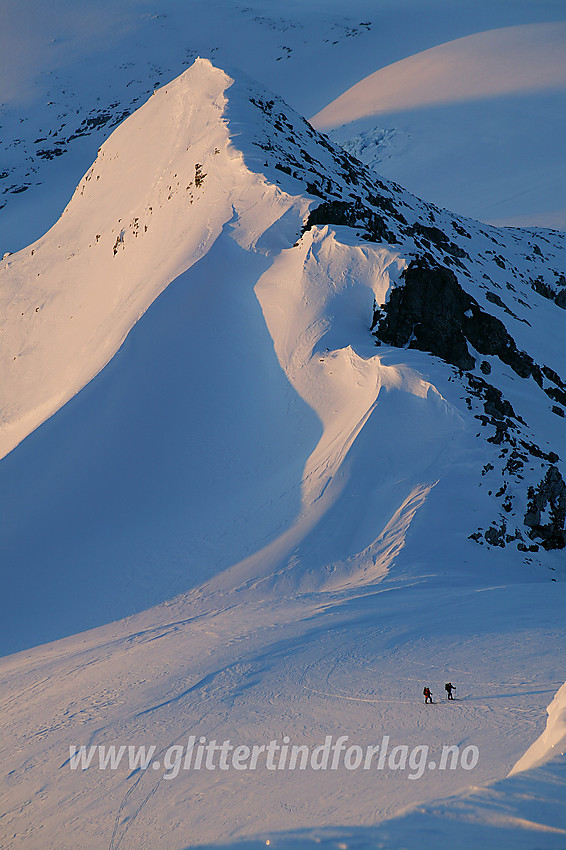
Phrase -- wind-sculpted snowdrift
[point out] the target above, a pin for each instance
(326, 417)
(552, 742)
(278, 437)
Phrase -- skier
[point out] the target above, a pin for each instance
(427, 695)
(449, 687)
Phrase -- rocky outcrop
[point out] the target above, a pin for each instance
(433, 313)
(547, 291)
(427, 313)
(430, 311)
(546, 511)
(371, 223)
(437, 237)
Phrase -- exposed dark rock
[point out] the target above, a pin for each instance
(510, 537)
(383, 203)
(427, 313)
(500, 435)
(535, 451)
(515, 462)
(543, 288)
(432, 312)
(488, 335)
(553, 376)
(313, 189)
(495, 299)
(50, 153)
(460, 230)
(497, 408)
(496, 536)
(546, 290)
(351, 215)
(92, 123)
(556, 395)
(548, 498)
(199, 175)
(438, 238)
(495, 405)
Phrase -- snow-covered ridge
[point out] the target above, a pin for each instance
(205, 151)
(452, 261)
(212, 157)
(129, 230)
(337, 520)
(473, 124)
(552, 741)
(509, 60)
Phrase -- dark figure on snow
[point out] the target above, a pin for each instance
(449, 687)
(427, 695)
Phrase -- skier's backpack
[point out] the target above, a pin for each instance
(426, 692)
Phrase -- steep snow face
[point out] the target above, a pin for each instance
(258, 437)
(282, 251)
(158, 195)
(315, 300)
(158, 421)
(70, 75)
(552, 742)
(320, 434)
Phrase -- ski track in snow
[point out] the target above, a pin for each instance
(275, 669)
(318, 547)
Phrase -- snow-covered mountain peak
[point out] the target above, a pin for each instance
(203, 151)
(288, 441)
(161, 189)
(218, 192)
(158, 141)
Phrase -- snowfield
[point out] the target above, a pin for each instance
(475, 125)
(282, 443)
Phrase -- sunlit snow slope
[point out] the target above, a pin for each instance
(475, 125)
(224, 427)
(327, 417)
(70, 73)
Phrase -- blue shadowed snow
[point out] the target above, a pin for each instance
(184, 455)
